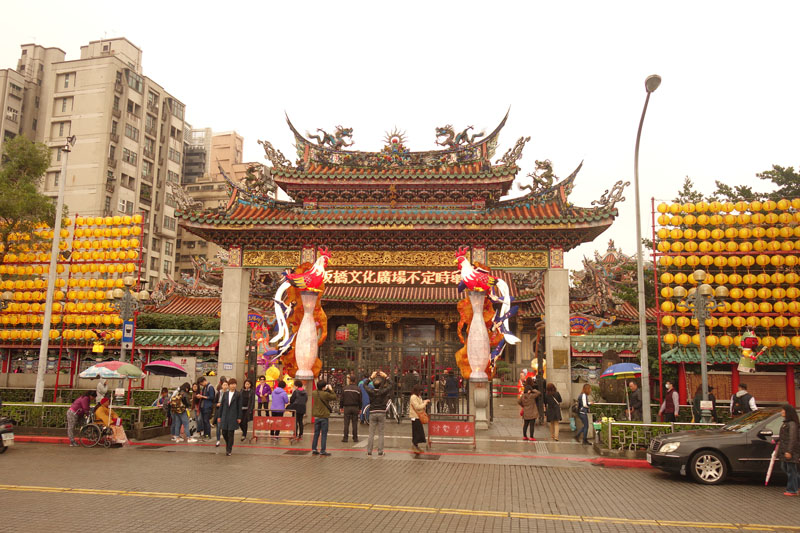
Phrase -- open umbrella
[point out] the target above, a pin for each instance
(166, 368)
(623, 371)
(112, 370)
(771, 464)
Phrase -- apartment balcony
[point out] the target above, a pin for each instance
(118, 87)
(116, 113)
(149, 154)
(110, 187)
(145, 200)
(12, 117)
(147, 177)
(133, 118)
(15, 91)
(112, 162)
(150, 130)
(153, 108)
(114, 138)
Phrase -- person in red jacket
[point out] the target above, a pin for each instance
(671, 404)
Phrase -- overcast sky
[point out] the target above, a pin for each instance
(572, 72)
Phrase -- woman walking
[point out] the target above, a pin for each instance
(230, 410)
(417, 411)
(789, 448)
(221, 390)
(530, 409)
(552, 408)
(298, 403)
(248, 404)
(583, 412)
(279, 401)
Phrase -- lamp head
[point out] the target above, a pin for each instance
(128, 281)
(721, 291)
(8, 295)
(118, 293)
(679, 292)
(144, 295)
(705, 290)
(652, 82)
(699, 275)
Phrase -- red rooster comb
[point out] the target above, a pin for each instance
(324, 252)
(462, 251)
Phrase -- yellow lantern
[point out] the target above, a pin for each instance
(780, 306)
(712, 340)
(765, 307)
(792, 278)
(764, 293)
(781, 321)
(680, 278)
(132, 255)
(690, 246)
(752, 321)
(670, 338)
(690, 220)
(782, 341)
(796, 341)
(737, 307)
(725, 321)
(767, 321)
(665, 260)
(725, 340)
(136, 230)
(667, 306)
(684, 339)
(137, 219)
(661, 208)
(696, 339)
(683, 322)
(118, 335)
(679, 261)
(692, 260)
(748, 260)
(125, 232)
(668, 320)
(666, 278)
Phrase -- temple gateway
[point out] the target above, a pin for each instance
(393, 220)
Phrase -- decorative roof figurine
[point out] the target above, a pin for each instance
(453, 140)
(336, 141)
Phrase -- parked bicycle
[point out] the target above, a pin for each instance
(393, 412)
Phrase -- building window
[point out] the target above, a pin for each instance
(154, 263)
(116, 103)
(169, 200)
(129, 182)
(174, 155)
(66, 104)
(168, 248)
(112, 151)
(55, 179)
(146, 193)
(167, 266)
(35, 123)
(152, 98)
(57, 154)
(12, 114)
(70, 76)
(147, 169)
(108, 204)
(131, 132)
(149, 145)
(134, 108)
(135, 81)
(119, 76)
(36, 102)
(125, 206)
(114, 127)
(173, 177)
(169, 223)
(177, 108)
(61, 129)
(153, 282)
(109, 175)
(129, 156)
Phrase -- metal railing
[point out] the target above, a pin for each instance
(53, 415)
(638, 436)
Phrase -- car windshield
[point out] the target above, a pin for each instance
(746, 422)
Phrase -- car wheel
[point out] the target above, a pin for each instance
(708, 467)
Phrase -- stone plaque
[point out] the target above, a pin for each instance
(560, 359)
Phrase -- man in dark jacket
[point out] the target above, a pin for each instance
(297, 403)
(351, 405)
(207, 397)
(378, 398)
(230, 414)
(451, 392)
(635, 401)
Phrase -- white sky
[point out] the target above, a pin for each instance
(572, 72)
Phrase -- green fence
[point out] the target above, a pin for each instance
(615, 435)
(30, 415)
(617, 412)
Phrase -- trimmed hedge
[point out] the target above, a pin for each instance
(144, 398)
(48, 416)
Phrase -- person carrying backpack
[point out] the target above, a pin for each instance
(742, 402)
(178, 404)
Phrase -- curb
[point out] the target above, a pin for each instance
(606, 462)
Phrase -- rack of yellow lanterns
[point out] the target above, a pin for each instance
(96, 255)
(752, 248)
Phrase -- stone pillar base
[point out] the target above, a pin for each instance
(479, 403)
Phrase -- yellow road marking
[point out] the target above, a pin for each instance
(403, 509)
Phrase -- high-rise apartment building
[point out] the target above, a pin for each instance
(130, 137)
(12, 86)
(211, 150)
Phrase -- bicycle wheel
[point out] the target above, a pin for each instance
(89, 436)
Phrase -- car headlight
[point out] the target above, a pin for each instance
(669, 447)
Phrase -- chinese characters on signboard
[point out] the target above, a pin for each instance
(392, 277)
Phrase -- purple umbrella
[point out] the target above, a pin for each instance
(166, 368)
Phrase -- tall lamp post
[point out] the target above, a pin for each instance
(701, 302)
(125, 302)
(53, 274)
(650, 85)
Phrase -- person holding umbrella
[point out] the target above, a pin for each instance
(789, 448)
(635, 402)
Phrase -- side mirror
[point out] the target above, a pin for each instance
(764, 434)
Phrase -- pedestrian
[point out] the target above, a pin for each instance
(540, 384)
(634, 402)
(229, 412)
(378, 398)
(102, 389)
(298, 403)
(263, 391)
(78, 408)
(584, 402)
(106, 417)
(362, 386)
(416, 413)
(697, 413)
(530, 409)
(670, 407)
(207, 396)
(451, 392)
(213, 418)
(789, 448)
(195, 410)
(248, 402)
(351, 407)
(223, 388)
(321, 411)
(438, 392)
(179, 405)
(521, 383)
(742, 402)
(279, 399)
(552, 403)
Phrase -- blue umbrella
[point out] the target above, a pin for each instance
(623, 371)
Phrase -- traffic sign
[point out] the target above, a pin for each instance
(127, 334)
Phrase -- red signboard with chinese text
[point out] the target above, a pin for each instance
(262, 424)
(428, 277)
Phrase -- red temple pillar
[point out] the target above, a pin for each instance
(682, 383)
(734, 378)
(790, 397)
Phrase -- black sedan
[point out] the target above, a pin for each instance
(744, 446)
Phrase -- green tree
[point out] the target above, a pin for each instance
(688, 193)
(785, 179)
(629, 291)
(727, 193)
(22, 206)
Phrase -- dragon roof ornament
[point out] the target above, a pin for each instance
(611, 196)
(328, 150)
(514, 153)
(274, 155)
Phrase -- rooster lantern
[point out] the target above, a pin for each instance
(747, 362)
(288, 311)
(477, 278)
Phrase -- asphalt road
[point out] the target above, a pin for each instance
(170, 488)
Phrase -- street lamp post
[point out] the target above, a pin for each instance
(650, 85)
(701, 302)
(125, 302)
(52, 275)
